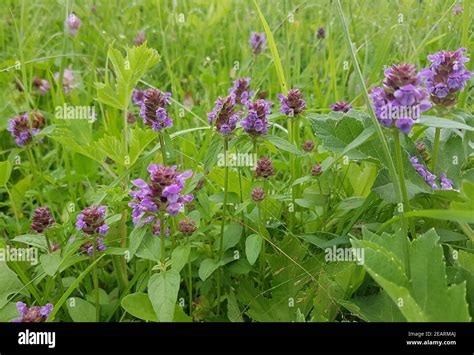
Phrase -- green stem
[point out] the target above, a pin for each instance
(95, 279)
(15, 212)
(162, 147)
(292, 172)
(434, 166)
(224, 207)
(190, 282)
(162, 237)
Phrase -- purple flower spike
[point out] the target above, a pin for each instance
(293, 104)
(91, 221)
(35, 314)
(153, 110)
(401, 98)
(445, 183)
(68, 80)
(224, 115)
(21, 130)
(73, 23)
(256, 123)
(241, 90)
(340, 106)
(42, 219)
(162, 194)
(138, 96)
(42, 85)
(258, 42)
(447, 76)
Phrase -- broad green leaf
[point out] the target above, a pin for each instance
(163, 291)
(207, 268)
(180, 257)
(5, 172)
(10, 284)
(51, 262)
(253, 246)
(283, 144)
(80, 310)
(374, 308)
(232, 234)
(35, 240)
(139, 306)
(136, 239)
(8, 313)
(233, 312)
(438, 122)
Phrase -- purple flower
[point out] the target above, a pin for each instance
(21, 129)
(258, 42)
(187, 226)
(341, 106)
(258, 195)
(153, 110)
(445, 183)
(42, 219)
(139, 39)
(316, 169)
(292, 104)
(68, 80)
(162, 194)
(429, 178)
(401, 99)
(321, 33)
(35, 314)
(88, 247)
(157, 228)
(92, 221)
(308, 146)
(447, 76)
(256, 122)
(73, 23)
(241, 90)
(138, 96)
(264, 168)
(224, 116)
(42, 85)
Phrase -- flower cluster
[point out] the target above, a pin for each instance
(42, 219)
(139, 39)
(256, 123)
(308, 146)
(73, 23)
(321, 33)
(264, 168)
(258, 195)
(401, 99)
(258, 42)
(224, 115)
(187, 226)
(42, 85)
(163, 194)
(68, 80)
(430, 178)
(316, 169)
(21, 129)
(292, 104)
(446, 76)
(340, 106)
(241, 90)
(91, 221)
(35, 314)
(88, 247)
(153, 108)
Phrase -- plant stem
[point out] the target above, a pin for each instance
(95, 280)
(434, 166)
(292, 172)
(162, 147)
(190, 282)
(224, 207)
(162, 236)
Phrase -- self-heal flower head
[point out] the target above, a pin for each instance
(42, 219)
(35, 314)
(293, 104)
(91, 221)
(68, 80)
(445, 183)
(139, 39)
(241, 90)
(256, 122)
(401, 98)
(153, 110)
(340, 106)
(224, 115)
(138, 96)
(163, 194)
(258, 195)
(21, 129)
(87, 248)
(157, 228)
(264, 168)
(316, 169)
(258, 42)
(447, 76)
(308, 146)
(321, 33)
(187, 226)
(42, 85)
(73, 23)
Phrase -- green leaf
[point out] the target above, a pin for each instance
(207, 268)
(438, 122)
(424, 296)
(136, 239)
(232, 234)
(80, 310)
(163, 291)
(8, 313)
(10, 284)
(150, 248)
(128, 71)
(35, 240)
(5, 172)
(51, 262)
(139, 306)
(374, 308)
(253, 246)
(283, 144)
(180, 257)
(233, 312)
